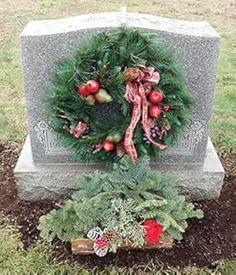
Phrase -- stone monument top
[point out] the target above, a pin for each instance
(113, 19)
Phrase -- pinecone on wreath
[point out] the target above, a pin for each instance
(166, 125)
(110, 234)
(130, 74)
(120, 150)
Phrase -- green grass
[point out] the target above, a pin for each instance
(224, 119)
(39, 260)
(15, 14)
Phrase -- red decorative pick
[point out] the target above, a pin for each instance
(79, 129)
(102, 242)
(152, 231)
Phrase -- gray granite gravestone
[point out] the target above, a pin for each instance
(45, 169)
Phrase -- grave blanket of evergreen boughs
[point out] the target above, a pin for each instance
(121, 200)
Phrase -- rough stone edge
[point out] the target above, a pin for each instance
(113, 19)
(51, 181)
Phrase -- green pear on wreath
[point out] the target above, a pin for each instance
(102, 96)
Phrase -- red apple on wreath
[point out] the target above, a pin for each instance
(154, 111)
(108, 146)
(82, 90)
(92, 86)
(155, 96)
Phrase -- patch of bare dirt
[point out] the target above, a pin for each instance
(206, 241)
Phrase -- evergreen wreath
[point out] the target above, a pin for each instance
(123, 92)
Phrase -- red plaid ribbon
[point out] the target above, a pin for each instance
(133, 97)
(136, 92)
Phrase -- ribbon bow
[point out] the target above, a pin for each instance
(136, 93)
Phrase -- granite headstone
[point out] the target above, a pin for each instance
(46, 169)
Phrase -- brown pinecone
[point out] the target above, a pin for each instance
(130, 74)
(120, 150)
(166, 125)
(110, 234)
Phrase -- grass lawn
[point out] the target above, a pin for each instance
(14, 15)
(39, 260)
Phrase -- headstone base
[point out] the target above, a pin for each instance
(50, 181)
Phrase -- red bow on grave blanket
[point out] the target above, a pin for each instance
(136, 94)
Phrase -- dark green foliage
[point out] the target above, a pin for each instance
(121, 199)
(104, 57)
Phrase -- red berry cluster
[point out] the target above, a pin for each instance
(101, 242)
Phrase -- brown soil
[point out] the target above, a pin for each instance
(206, 241)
